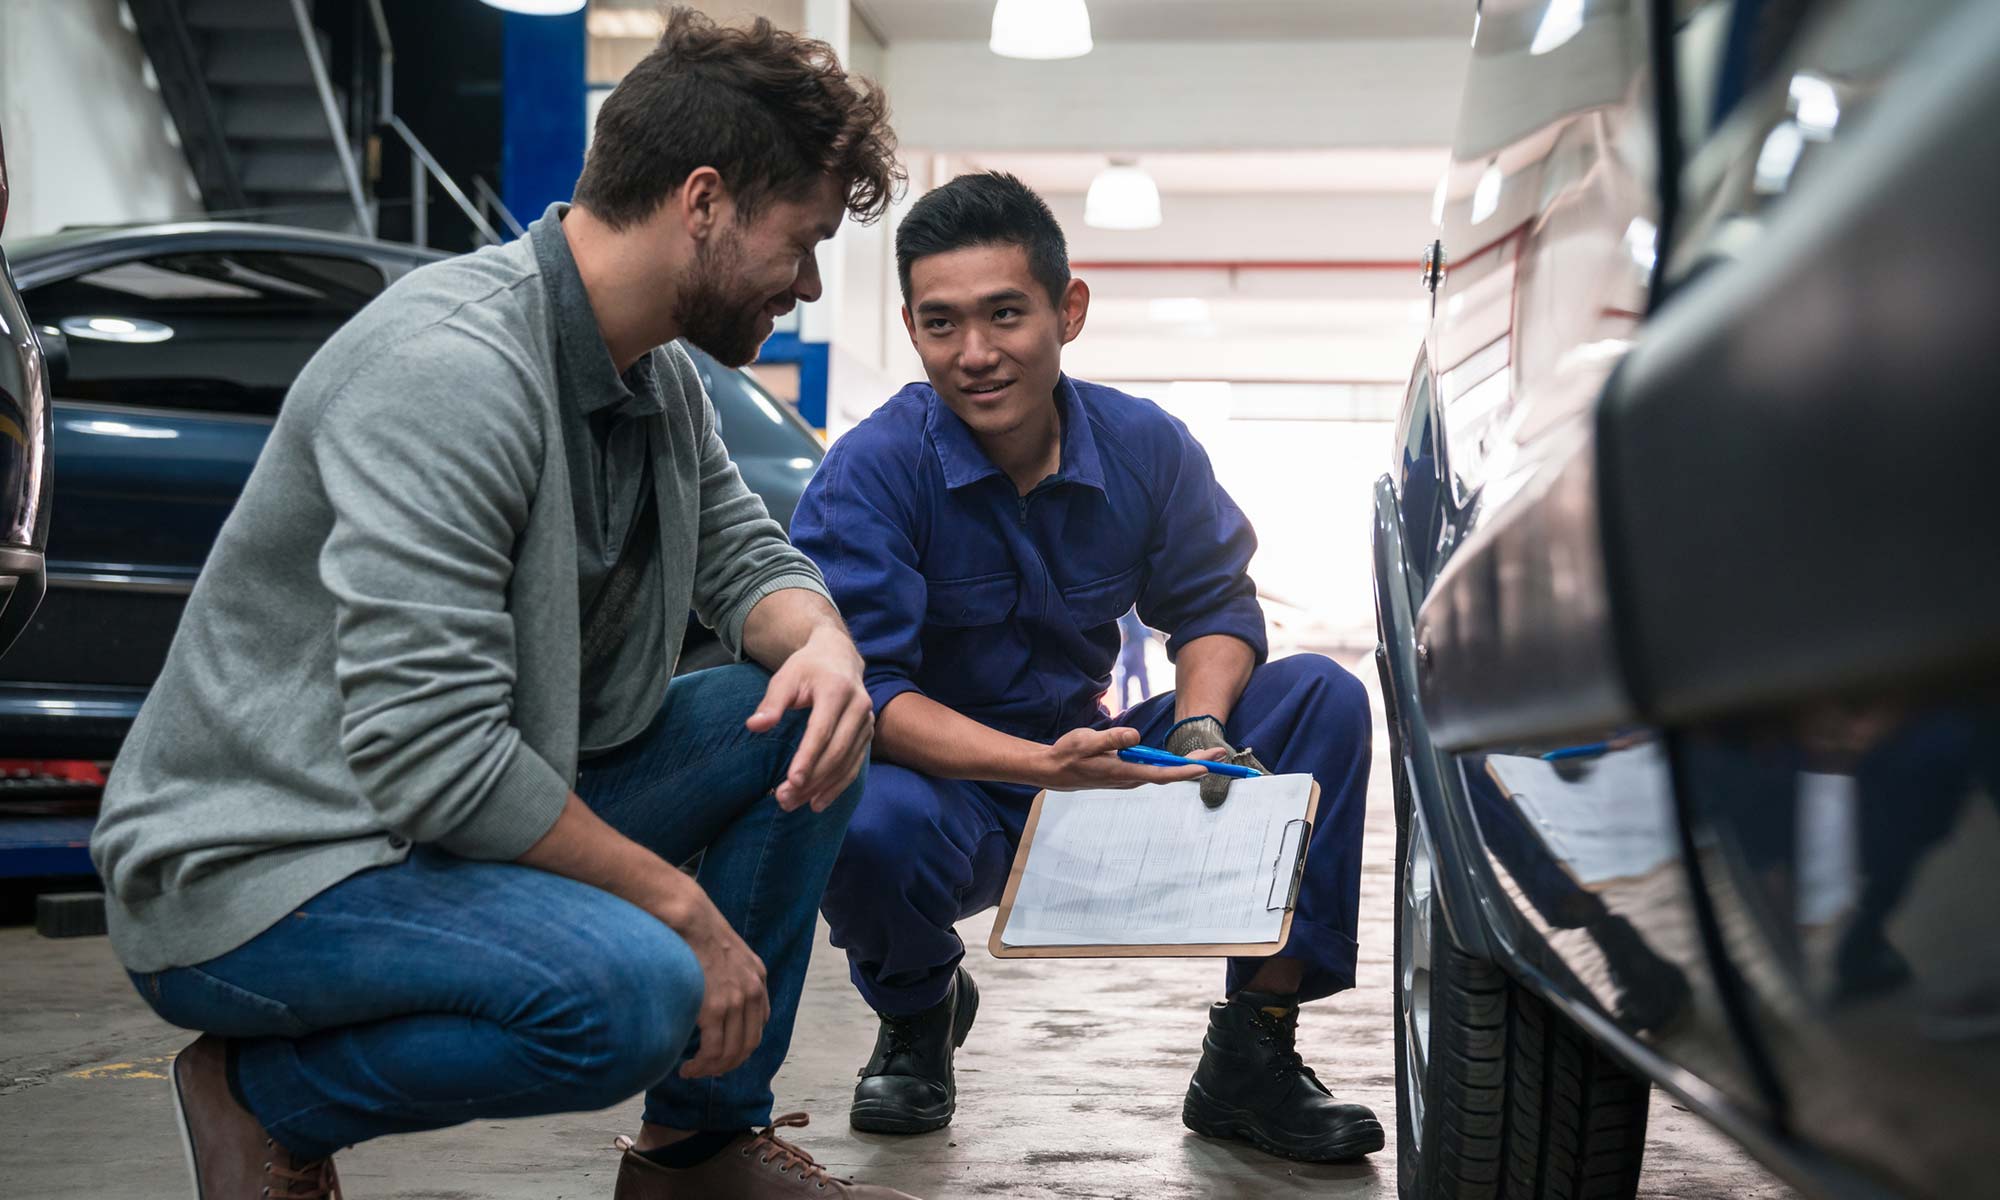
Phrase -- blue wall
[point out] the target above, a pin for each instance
(542, 129)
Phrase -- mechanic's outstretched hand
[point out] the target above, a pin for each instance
(1088, 758)
(823, 675)
(1201, 737)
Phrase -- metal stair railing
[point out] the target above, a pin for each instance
(423, 163)
(350, 171)
(424, 166)
(492, 205)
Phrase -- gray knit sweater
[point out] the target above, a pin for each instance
(383, 646)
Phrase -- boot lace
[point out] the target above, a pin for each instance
(298, 1181)
(902, 1035)
(770, 1148)
(1282, 1037)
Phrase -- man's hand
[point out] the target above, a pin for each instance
(1088, 758)
(734, 1001)
(1201, 737)
(825, 676)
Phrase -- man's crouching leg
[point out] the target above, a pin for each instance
(1303, 715)
(921, 854)
(416, 997)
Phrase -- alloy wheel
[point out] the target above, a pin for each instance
(1413, 992)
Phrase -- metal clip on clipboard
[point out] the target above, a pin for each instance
(1288, 880)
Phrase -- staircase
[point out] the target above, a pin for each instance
(260, 71)
(268, 135)
(248, 87)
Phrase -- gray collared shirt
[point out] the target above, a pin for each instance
(607, 430)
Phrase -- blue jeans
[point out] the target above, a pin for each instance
(923, 853)
(440, 990)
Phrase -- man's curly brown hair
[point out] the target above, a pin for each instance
(771, 111)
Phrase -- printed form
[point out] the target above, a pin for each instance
(1153, 865)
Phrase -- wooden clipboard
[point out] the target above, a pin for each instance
(996, 946)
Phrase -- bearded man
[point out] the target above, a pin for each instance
(399, 828)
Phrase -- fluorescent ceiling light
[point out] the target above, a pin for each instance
(538, 8)
(1122, 197)
(1561, 21)
(1039, 29)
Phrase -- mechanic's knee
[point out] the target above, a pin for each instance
(1339, 698)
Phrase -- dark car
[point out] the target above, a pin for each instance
(181, 342)
(24, 453)
(1689, 602)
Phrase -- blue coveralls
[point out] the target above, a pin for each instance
(1005, 608)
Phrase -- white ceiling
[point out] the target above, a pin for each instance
(1188, 20)
(1231, 173)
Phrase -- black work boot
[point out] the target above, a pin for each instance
(907, 1086)
(1252, 1086)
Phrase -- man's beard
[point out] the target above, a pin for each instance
(709, 315)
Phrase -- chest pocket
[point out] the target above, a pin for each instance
(1102, 601)
(970, 603)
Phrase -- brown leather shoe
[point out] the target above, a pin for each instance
(228, 1152)
(760, 1166)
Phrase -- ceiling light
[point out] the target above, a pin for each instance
(538, 8)
(1038, 28)
(1561, 21)
(1122, 197)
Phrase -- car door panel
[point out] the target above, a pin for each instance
(136, 507)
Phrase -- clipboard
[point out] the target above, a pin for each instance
(1286, 879)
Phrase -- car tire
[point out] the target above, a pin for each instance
(1507, 1100)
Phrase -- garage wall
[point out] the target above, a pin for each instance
(88, 142)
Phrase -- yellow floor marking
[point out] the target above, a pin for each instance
(137, 1069)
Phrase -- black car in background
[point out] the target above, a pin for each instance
(24, 453)
(1689, 599)
(181, 343)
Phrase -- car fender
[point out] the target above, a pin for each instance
(1434, 798)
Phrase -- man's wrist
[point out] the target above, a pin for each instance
(672, 896)
(1034, 764)
(831, 638)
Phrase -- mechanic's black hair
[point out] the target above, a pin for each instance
(989, 209)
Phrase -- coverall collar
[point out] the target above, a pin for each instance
(966, 463)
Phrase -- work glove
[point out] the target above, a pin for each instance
(1205, 733)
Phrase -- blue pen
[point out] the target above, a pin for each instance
(1146, 756)
(1590, 751)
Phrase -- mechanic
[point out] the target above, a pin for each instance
(398, 827)
(982, 534)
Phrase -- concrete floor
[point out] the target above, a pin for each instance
(1070, 1087)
